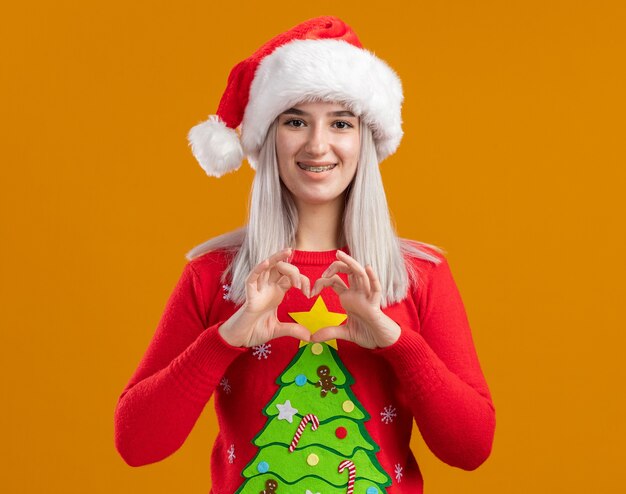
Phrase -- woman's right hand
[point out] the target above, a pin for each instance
(256, 321)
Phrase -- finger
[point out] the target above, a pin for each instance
(256, 276)
(263, 279)
(273, 260)
(360, 277)
(256, 273)
(254, 279)
(335, 282)
(270, 261)
(332, 333)
(347, 258)
(274, 276)
(342, 267)
(284, 283)
(374, 281)
(305, 285)
(292, 329)
(336, 267)
(289, 270)
(281, 255)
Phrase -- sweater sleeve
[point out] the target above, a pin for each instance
(449, 397)
(180, 369)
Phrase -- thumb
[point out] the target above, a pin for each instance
(332, 333)
(292, 329)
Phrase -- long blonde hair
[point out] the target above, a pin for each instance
(367, 228)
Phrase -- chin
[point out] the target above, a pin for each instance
(317, 200)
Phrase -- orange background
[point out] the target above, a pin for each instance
(513, 160)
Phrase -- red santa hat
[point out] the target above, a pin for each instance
(320, 59)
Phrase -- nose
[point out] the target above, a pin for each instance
(317, 143)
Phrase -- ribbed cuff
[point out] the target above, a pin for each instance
(200, 367)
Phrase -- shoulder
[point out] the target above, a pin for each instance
(203, 274)
(426, 265)
(212, 261)
(207, 269)
(421, 255)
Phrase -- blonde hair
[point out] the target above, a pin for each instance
(367, 227)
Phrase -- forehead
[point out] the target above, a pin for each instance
(319, 108)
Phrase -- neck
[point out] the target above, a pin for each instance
(319, 226)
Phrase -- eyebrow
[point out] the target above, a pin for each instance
(340, 113)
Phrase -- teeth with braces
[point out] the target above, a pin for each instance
(316, 169)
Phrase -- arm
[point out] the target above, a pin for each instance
(450, 401)
(449, 396)
(185, 362)
(175, 379)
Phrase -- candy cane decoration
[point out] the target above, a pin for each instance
(351, 474)
(315, 423)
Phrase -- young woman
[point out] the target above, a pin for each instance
(257, 313)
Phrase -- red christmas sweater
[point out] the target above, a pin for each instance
(430, 375)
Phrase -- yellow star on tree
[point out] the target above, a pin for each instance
(317, 318)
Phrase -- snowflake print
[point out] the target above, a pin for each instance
(388, 414)
(262, 350)
(398, 472)
(226, 295)
(231, 453)
(226, 386)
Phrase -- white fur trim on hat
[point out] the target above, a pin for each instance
(330, 70)
(216, 146)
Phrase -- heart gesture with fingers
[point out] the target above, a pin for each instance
(256, 321)
(367, 325)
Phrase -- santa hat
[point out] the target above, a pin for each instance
(320, 59)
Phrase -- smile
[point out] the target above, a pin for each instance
(317, 169)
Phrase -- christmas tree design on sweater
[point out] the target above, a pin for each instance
(314, 440)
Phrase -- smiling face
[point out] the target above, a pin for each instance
(317, 146)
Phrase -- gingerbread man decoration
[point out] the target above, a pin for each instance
(326, 381)
(270, 487)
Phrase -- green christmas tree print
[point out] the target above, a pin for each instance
(314, 440)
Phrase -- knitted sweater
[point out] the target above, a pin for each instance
(430, 375)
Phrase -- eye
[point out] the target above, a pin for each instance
(295, 122)
(342, 124)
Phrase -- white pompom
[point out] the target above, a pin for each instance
(216, 146)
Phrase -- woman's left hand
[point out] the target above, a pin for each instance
(367, 326)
